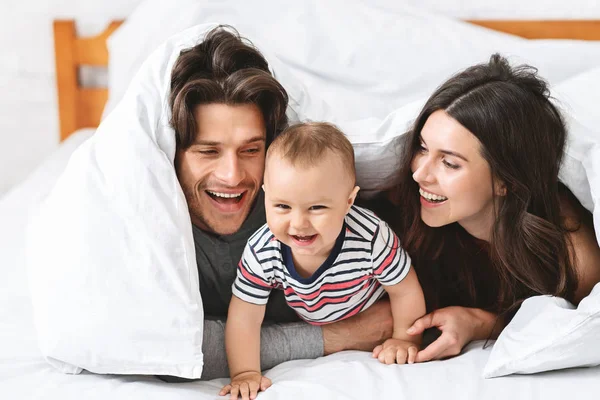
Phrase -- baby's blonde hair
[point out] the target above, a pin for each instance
(306, 144)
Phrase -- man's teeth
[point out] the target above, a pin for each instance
(225, 195)
(430, 196)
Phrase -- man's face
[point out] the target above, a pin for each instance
(222, 171)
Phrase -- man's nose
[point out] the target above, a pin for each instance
(230, 170)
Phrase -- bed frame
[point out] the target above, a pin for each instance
(81, 107)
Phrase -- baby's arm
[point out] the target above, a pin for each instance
(251, 290)
(392, 268)
(242, 342)
(408, 304)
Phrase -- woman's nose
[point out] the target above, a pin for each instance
(422, 171)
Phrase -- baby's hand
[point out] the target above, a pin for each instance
(247, 385)
(396, 351)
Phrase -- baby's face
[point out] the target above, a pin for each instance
(306, 207)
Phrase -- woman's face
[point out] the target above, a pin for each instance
(455, 181)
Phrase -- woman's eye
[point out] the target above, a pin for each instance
(422, 148)
(450, 165)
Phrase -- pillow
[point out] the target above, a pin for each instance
(111, 259)
(548, 333)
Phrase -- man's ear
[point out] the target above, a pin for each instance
(352, 197)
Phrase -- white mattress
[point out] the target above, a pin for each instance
(353, 375)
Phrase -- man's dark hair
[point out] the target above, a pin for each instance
(224, 69)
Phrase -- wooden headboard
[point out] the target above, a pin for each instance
(81, 107)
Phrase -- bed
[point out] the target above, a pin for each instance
(24, 374)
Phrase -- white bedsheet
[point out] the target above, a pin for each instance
(349, 375)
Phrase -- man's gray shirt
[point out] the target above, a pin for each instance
(217, 258)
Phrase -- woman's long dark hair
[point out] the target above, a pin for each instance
(522, 136)
(224, 68)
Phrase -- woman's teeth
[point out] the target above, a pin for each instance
(431, 196)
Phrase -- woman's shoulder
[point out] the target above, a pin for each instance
(572, 212)
(585, 250)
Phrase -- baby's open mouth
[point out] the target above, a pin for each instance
(303, 238)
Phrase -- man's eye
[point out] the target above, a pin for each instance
(317, 207)
(252, 151)
(207, 152)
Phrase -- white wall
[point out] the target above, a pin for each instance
(28, 106)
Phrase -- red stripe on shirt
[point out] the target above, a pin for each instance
(252, 278)
(389, 258)
(327, 287)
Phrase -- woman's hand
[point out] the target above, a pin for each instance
(459, 326)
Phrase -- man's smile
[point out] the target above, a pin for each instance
(228, 202)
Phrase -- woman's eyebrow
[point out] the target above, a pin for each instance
(448, 152)
(455, 154)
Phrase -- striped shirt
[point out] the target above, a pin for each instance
(366, 255)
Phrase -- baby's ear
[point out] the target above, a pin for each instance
(352, 197)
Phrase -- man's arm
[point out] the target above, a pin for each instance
(299, 340)
(279, 343)
(363, 331)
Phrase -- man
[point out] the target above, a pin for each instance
(226, 108)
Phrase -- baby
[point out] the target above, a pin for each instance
(331, 258)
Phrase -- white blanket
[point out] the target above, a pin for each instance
(112, 268)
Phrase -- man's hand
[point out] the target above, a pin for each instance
(396, 351)
(363, 331)
(459, 326)
(247, 385)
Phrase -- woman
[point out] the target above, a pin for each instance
(479, 207)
